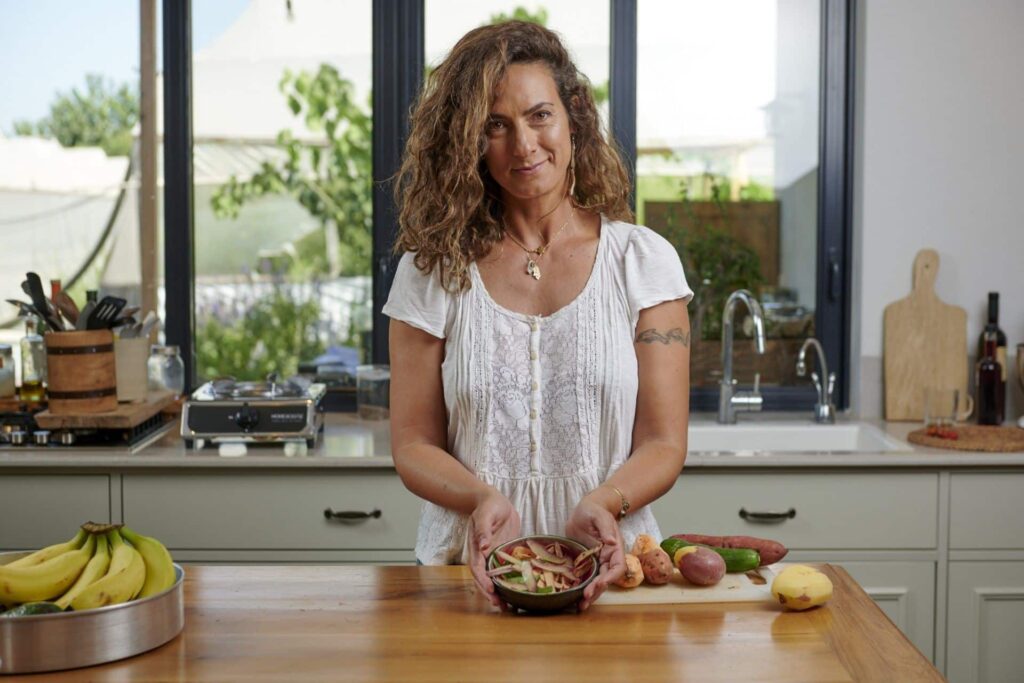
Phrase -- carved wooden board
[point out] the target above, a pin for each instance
(925, 345)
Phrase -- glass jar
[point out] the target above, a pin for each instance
(166, 370)
(6, 371)
(33, 363)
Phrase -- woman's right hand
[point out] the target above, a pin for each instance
(493, 522)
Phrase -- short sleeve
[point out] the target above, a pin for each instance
(417, 298)
(654, 273)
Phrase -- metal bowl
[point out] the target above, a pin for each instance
(543, 602)
(69, 640)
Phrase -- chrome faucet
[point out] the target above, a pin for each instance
(824, 409)
(731, 401)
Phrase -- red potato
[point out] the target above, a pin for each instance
(770, 551)
(703, 567)
(657, 566)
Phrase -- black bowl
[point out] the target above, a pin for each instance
(543, 602)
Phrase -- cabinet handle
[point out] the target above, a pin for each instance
(351, 515)
(767, 517)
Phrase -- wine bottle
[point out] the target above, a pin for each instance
(993, 325)
(990, 400)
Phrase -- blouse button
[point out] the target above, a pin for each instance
(533, 326)
(533, 414)
(534, 386)
(533, 448)
(533, 355)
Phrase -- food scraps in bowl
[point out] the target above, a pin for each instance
(542, 573)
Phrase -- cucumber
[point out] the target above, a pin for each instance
(736, 559)
(32, 608)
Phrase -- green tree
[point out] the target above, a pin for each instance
(332, 178)
(271, 337)
(540, 17)
(102, 115)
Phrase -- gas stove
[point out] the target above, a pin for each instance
(20, 431)
(272, 411)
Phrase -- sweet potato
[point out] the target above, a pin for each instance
(657, 566)
(702, 567)
(634, 575)
(642, 544)
(770, 551)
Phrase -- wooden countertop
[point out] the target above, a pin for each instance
(402, 623)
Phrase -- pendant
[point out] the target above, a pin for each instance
(532, 269)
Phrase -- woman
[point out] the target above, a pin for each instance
(539, 342)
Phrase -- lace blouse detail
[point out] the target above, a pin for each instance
(541, 407)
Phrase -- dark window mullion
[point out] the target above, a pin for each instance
(622, 85)
(834, 292)
(179, 262)
(397, 73)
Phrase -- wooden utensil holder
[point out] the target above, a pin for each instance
(81, 371)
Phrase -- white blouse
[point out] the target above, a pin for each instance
(541, 407)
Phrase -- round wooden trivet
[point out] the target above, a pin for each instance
(975, 438)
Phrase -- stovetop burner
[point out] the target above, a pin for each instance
(228, 388)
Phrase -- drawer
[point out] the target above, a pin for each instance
(830, 510)
(37, 510)
(252, 511)
(986, 511)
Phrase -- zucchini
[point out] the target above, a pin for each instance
(32, 608)
(736, 559)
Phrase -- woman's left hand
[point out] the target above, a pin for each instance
(590, 524)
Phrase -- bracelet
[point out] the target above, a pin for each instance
(625, 503)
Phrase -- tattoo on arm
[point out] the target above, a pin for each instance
(676, 334)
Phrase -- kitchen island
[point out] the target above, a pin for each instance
(366, 623)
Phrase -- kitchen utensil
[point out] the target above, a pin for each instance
(83, 317)
(105, 313)
(129, 311)
(67, 307)
(42, 304)
(148, 323)
(24, 308)
(925, 344)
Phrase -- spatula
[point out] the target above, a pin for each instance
(35, 290)
(105, 313)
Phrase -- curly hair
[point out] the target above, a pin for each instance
(449, 207)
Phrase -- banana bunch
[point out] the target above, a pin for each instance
(102, 565)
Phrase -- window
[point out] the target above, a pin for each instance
(583, 24)
(282, 184)
(727, 167)
(744, 104)
(78, 172)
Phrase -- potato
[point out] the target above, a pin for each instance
(643, 544)
(634, 575)
(701, 566)
(657, 566)
(800, 587)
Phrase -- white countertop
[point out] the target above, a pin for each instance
(349, 442)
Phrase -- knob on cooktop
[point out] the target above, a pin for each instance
(247, 418)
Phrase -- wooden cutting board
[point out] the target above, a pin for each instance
(925, 345)
(732, 588)
(125, 416)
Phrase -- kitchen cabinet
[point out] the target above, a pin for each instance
(986, 577)
(986, 611)
(262, 516)
(37, 510)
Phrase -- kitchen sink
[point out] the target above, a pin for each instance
(791, 438)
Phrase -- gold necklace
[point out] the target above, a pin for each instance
(532, 269)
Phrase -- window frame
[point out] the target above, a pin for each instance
(398, 61)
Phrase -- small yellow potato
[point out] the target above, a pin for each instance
(634, 575)
(643, 543)
(800, 587)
